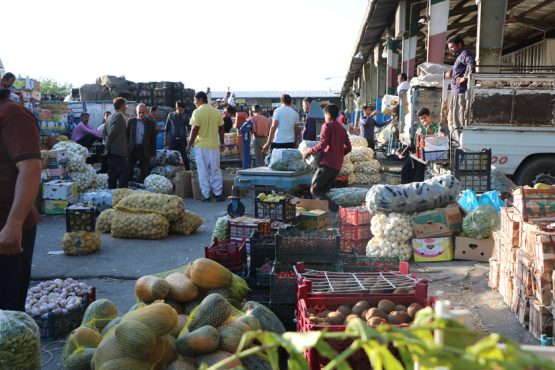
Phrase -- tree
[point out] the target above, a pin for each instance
(51, 87)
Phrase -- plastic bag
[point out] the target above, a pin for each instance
(468, 200)
(220, 230)
(101, 200)
(287, 160)
(165, 156)
(493, 199)
(19, 341)
(312, 160)
(434, 193)
(348, 197)
(389, 104)
(168, 171)
(481, 223)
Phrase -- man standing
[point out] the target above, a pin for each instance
(6, 83)
(153, 113)
(368, 125)
(20, 167)
(116, 146)
(229, 112)
(358, 107)
(207, 137)
(141, 134)
(334, 145)
(177, 131)
(403, 84)
(261, 130)
(464, 63)
(85, 135)
(283, 133)
(309, 132)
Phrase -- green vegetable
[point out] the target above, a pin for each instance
(19, 341)
(481, 223)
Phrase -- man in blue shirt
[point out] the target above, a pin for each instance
(464, 63)
(368, 124)
(309, 132)
(177, 130)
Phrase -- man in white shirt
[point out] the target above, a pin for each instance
(403, 84)
(358, 107)
(284, 130)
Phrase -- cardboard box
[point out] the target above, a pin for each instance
(438, 222)
(50, 174)
(433, 249)
(54, 207)
(473, 249)
(183, 184)
(228, 181)
(60, 190)
(195, 187)
(315, 213)
(231, 139)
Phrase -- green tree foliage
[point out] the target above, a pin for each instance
(49, 86)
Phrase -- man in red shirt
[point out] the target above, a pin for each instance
(20, 167)
(334, 144)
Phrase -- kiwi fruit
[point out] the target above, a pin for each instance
(398, 317)
(359, 307)
(386, 306)
(377, 288)
(323, 314)
(351, 317)
(345, 310)
(375, 312)
(413, 309)
(375, 321)
(335, 318)
(401, 291)
(400, 307)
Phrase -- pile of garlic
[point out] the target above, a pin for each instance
(392, 236)
(56, 296)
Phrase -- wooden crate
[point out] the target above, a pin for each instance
(509, 226)
(493, 281)
(505, 287)
(541, 319)
(533, 204)
(524, 271)
(523, 311)
(539, 242)
(542, 286)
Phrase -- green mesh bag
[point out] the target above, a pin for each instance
(19, 341)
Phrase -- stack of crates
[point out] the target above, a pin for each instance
(354, 225)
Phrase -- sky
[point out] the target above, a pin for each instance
(241, 44)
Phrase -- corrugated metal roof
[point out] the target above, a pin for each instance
(315, 94)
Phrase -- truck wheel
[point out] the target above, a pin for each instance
(537, 170)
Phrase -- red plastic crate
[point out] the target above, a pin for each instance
(355, 232)
(355, 215)
(231, 254)
(358, 360)
(347, 246)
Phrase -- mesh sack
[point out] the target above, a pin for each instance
(104, 221)
(168, 171)
(85, 177)
(119, 194)
(169, 206)
(370, 166)
(171, 157)
(348, 167)
(81, 243)
(377, 247)
(130, 225)
(358, 141)
(364, 178)
(158, 184)
(186, 225)
(361, 154)
(287, 160)
(481, 223)
(19, 341)
(76, 154)
(348, 197)
(312, 160)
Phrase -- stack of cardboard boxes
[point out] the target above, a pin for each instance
(56, 191)
(54, 118)
(523, 265)
(29, 89)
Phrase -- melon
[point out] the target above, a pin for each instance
(106, 351)
(214, 358)
(111, 324)
(267, 319)
(125, 363)
(99, 314)
(182, 365)
(230, 337)
(81, 337)
(164, 353)
(150, 288)
(135, 339)
(182, 289)
(200, 341)
(214, 310)
(80, 359)
(209, 274)
(159, 317)
(251, 321)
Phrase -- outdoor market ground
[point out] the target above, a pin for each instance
(114, 269)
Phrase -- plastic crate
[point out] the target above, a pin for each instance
(361, 263)
(358, 360)
(80, 217)
(55, 326)
(263, 249)
(228, 253)
(263, 277)
(358, 246)
(355, 215)
(472, 169)
(283, 210)
(286, 313)
(283, 289)
(245, 226)
(309, 246)
(355, 232)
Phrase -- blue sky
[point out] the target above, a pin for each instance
(243, 44)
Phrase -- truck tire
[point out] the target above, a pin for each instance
(536, 170)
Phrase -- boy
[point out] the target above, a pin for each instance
(334, 144)
(368, 125)
(413, 170)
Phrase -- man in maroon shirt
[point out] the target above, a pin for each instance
(334, 144)
(20, 167)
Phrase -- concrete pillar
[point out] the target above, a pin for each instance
(367, 70)
(409, 42)
(392, 64)
(437, 30)
(374, 80)
(491, 24)
(382, 76)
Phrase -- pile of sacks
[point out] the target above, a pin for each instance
(145, 215)
(360, 166)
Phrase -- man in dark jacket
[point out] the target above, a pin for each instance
(141, 133)
(116, 146)
(177, 131)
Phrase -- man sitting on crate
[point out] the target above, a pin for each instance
(413, 170)
(334, 145)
